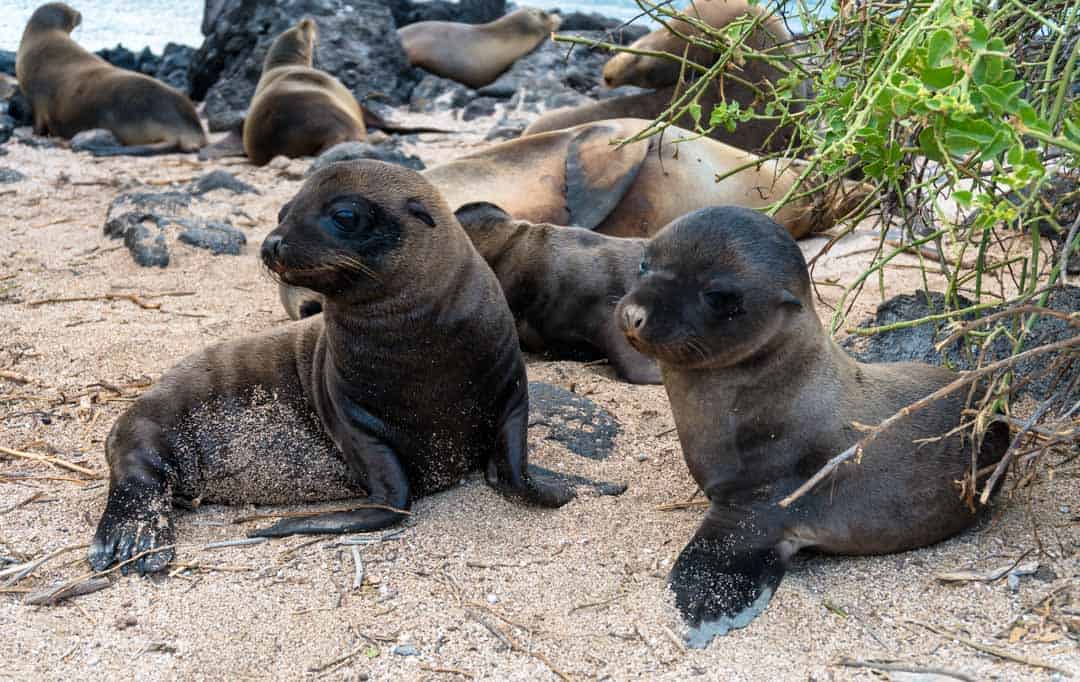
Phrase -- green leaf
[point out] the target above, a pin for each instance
(936, 79)
(962, 197)
(1002, 141)
(965, 136)
(941, 46)
(978, 36)
(929, 146)
(695, 113)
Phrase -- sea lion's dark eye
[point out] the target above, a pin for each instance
(345, 219)
(643, 267)
(724, 303)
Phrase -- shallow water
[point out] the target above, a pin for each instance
(153, 23)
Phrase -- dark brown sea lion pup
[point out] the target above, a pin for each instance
(579, 177)
(668, 80)
(71, 90)
(562, 284)
(763, 397)
(411, 378)
(298, 110)
(476, 54)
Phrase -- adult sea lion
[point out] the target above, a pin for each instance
(71, 90)
(668, 81)
(578, 177)
(476, 54)
(763, 397)
(411, 378)
(298, 110)
(562, 284)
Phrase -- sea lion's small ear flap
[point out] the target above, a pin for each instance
(598, 173)
(417, 210)
(788, 298)
(480, 212)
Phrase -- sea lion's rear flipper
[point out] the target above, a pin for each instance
(373, 120)
(599, 173)
(228, 146)
(137, 150)
(374, 465)
(601, 487)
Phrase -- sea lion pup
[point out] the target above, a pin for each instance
(562, 284)
(763, 397)
(71, 90)
(298, 110)
(476, 54)
(663, 77)
(578, 177)
(411, 378)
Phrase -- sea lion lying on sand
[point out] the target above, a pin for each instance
(763, 398)
(579, 177)
(410, 379)
(71, 90)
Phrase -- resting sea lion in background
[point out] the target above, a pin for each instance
(410, 379)
(577, 177)
(298, 110)
(71, 90)
(476, 54)
(763, 398)
(662, 76)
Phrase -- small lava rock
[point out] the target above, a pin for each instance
(406, 650)
(9, 175)
(220, 179)
(217, 238)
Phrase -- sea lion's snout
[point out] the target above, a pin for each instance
(632, 319)
(271, 252)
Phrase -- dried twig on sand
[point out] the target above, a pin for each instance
(903, 668)
(54, 461)
(137, 299)
(992, 650)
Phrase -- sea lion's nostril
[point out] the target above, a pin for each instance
(272, 247)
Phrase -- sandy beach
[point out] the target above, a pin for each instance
(473, 586)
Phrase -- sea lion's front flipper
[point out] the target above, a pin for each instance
(375, 466)
(507, 469)
(725, 577)
(598, 173)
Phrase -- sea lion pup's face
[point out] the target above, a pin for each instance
(716, 287)
(342, 234)
(294, 46)
(53, 16)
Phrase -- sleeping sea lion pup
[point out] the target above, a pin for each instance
(71, 90)
(763, 398)
(476, 54)
(298, 110)
(562, 284)
(411, 378)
